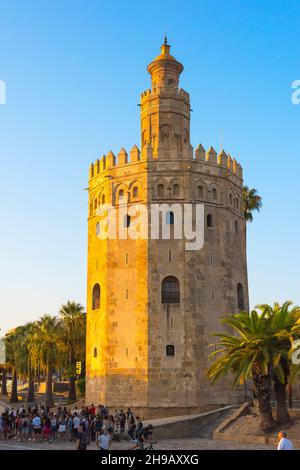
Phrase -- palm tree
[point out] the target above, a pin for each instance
(11, 340)
(252, 202)
(26, 354)
(4, 381)
(246, 355)
(285, 329)
(260, 350)
(74, 326)
(48, 343)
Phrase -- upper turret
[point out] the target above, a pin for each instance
(165, 110)
(165, 70)
(165, 129)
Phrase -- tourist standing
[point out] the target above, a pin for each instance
(284, 443)
(37, 427)
(104, 441)
(81, 441)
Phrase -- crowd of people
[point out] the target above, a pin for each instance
(80, 425)
(83, 426)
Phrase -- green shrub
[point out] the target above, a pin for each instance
(81, 386)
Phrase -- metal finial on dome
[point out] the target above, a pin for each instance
(166, 39)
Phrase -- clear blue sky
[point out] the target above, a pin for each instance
(74, 71)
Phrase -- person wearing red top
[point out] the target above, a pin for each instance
(92, 410)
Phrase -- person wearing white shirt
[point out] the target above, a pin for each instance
(76, 424)
(284, 443)
(104, 441)
(37, 426)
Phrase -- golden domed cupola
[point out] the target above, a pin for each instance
(165, 70)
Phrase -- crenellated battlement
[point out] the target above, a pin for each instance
(222, 159)
(184, 93)
(145, 93)
(111, 160)
(148, 93)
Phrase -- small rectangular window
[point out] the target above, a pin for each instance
(170, 350)
(209, 221)
(170, 218)
(127, 220)
(127, 294)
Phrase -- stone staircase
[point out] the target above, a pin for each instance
(206, 431)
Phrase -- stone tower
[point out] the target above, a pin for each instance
(151, 303)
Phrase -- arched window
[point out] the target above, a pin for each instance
(127, 220)
(160, 190)
(170, 350)
(237, 203)
(230, 199)
(96, 297)
(121, 194)
(135, 191)
(176, 190)
(214, 194)
(95, 204)
(240, 297)
(95, 352)
(170, 290)
(200, 191)
(103, 199)
(97, 229)
(170, 218)
(210, 220)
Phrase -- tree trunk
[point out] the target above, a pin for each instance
(282, 415)
(4, 383)
(14, 388)
(246, 268)
(49, 394)
(72, 385)
(72, 389)
(262, 392)
(30, 393)
(290, 390)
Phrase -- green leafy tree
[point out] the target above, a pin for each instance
(285, 330)
(74, 328)
(251, 202)
(259, 349)
(12, 340)
(49, 350)
(26, 356)
(4, 380)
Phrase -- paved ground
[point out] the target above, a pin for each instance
(198, 443)
(165, 444)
